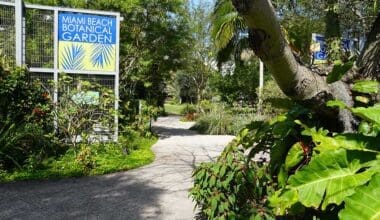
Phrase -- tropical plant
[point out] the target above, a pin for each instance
(340, 164)
(220, 119)
(316, 173)
(233, 187)
(226, 27)
(143, 123)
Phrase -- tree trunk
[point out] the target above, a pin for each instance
(295, 80)
(369, 60)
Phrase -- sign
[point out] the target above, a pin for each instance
(318, 48)
(86, 42)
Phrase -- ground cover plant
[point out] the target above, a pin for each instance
(97, 159)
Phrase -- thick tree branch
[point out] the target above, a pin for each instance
(295, 80)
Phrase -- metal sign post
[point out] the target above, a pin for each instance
(19, 33)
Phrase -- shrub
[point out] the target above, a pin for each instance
(274, 100)
(143, 120)
(215, 122)
(188, 109)
(25, 122)
(80, 109)
(233, 187)
(189, 113)
(221, 120)
(86, 158)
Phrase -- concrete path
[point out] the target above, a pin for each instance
(156, 191)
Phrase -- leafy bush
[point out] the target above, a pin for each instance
(189, 113)
(221, 120)
(25, 122)
(188, 109)
(143, 121)
(233, 187)
(216, 122)
(274, 100)
(81, 109)
(86, 158)
(99, 158)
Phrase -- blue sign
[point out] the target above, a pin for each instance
(87, 42)
(76, 27)
(320, 48)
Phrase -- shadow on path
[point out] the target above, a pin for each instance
(156, 191)
(109, 197)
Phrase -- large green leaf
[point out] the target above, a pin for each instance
(283, 200)
(370, 87)
(328, 179)
(294, 157)
(347, 141)
(365, 203)
(336, 103)
(371, 114)
(339, 70)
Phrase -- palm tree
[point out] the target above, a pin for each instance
(226, 30)
(230, 36)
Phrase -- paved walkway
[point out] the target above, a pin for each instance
(156, 191)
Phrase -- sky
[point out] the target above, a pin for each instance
(197, 2)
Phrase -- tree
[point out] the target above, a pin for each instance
(199, 64)
(296, 80)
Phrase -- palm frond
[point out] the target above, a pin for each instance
(232, 50)
(223, 55)
(226, 22)
(73, 57)
(102, 55)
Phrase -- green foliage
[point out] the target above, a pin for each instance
(298, 30)
(188, 109)
(274, 100)
(86, 158)
(82, 108)
(339, 70)
(24, 120)
(174, 109)
(314, 173)
(233, 187)
(364, 203)
(225, 23)
(240, 84)
(143, 122)
(216, 122)
(368, 87)
(341, 166)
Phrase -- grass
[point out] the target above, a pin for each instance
(174, 109)
(108, 158)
